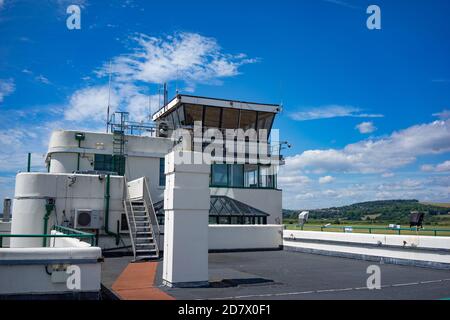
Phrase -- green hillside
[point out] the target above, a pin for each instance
(395, 211)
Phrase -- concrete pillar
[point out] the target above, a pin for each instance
(186, 206)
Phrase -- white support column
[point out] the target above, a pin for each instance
(186, 206)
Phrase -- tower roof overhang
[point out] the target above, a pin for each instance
(213, 102)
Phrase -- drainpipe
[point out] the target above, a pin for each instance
(48, 210)
(107, 197)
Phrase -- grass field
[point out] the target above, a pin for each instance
(339, 228)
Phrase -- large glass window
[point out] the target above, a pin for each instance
(212, 117)
(193, 113)
(266, 177)
(265, 120)
(109, 163)
(243, 176)
(237, 175)
(230, 118)
(219, 175)
(162, 176)
(180, 112)
(251, 176)
(103, 162)
(247, 119)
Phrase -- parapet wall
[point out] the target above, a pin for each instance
(409, 241)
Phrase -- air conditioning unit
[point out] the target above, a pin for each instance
(87, 219)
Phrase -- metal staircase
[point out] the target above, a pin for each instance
(142, 223)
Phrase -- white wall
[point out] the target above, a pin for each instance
(87, 192)
(30, 277)
(235, 237)
(137, 167)
(384, 239)
(266, 200)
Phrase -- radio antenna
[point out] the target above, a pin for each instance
(109, 98)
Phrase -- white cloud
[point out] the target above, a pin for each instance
(331, 111)
(444, 114)
(1, 3)
(366, 127)
(441, 167)
(388, 175)
(188, 57)
(185, 57)
(293, 181)
(42, 79)
(90, 104)
(6, 87)
(326, 179)
(377, 155)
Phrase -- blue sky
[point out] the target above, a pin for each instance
(366, 111)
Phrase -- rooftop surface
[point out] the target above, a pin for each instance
(293, 275)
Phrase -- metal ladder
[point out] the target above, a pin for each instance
(142, 224)
(118, 143)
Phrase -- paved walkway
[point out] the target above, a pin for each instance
(137, 282)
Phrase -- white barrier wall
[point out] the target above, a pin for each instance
(23, 270)
(241, 237)
(425, 242)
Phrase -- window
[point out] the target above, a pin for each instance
(212, 117)
(251, 176)
(235, 220)
(247, 120)
(103, 162)
(162, 175)
(230, 118)
(265, 120)
(237, 175)
(180, 112)
(224, 220)
(219, 175)
(109, 163)
(213, 220)
(243, 176)
(266, 177)
(193, 113)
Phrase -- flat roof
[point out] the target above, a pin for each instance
(283, 275)
(215, 102)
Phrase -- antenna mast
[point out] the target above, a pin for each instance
(109, 98)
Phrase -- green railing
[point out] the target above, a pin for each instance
(67, 233)
(370, 229)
